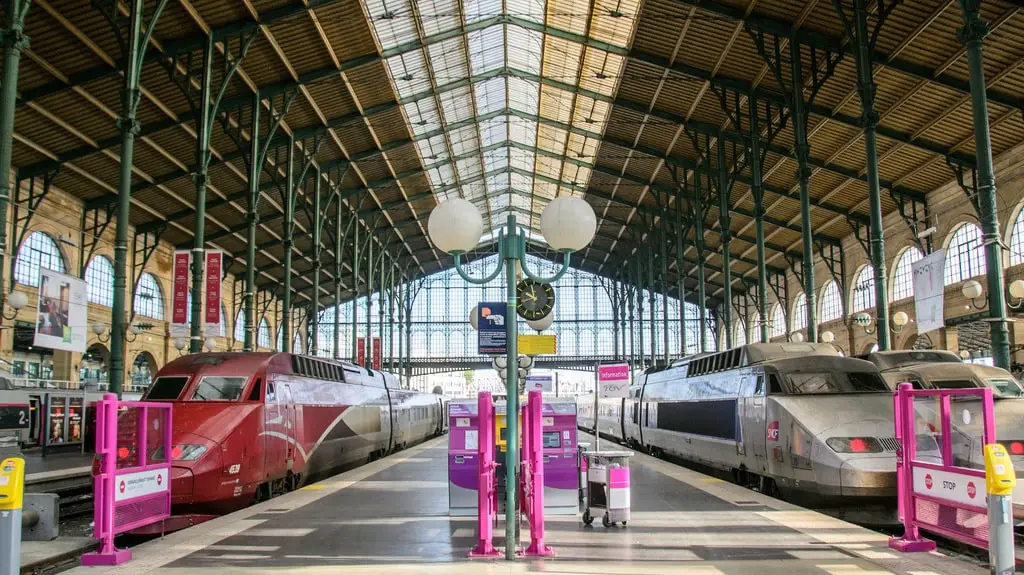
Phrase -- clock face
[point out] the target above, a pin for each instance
(535, 300)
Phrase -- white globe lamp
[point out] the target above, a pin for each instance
(568, 223)
(455, 226)
(542, 323)
(210, 343)
(473, 316)
(971, 289)
(900, 319)
(1017, 289)
(827, 336)
(180, 343)
(17, 300)
(99, 327)
(797, 337)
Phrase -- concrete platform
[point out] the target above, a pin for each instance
(391, 516)
(55, 466)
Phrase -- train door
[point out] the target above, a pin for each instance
(275, 444)
(778, 424)
(291, 424)
(389, 418)
(752, 422)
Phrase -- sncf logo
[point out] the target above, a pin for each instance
(773, 431)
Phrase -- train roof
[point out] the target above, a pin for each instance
(239, 363)
(751, 354)
(886, 360)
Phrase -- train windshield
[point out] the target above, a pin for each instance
(216, 388)
(1006, 387)
(810, 383)
(166, 388)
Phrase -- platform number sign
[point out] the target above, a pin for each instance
(14, 416)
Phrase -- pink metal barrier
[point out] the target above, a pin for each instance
(939, 495)
(487, 496)
(533, 474)
(132, 489)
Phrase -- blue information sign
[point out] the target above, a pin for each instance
(492, 339)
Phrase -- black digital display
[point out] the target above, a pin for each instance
(13, 417)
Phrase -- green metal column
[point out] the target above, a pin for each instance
(355, 286)
(639, 282)
(631, 350)
(679, 232)
(203, 131)
(870, 118)
(664, 292)
(512, 393)
(129, 126)
(757, 191)
(699, 244)
(289, 228)
(368, 348)
(252, 220)
(803, 174)
(651, 302)
(14, 42)
(723, 223)
(318, 221)
(337, 276)
(973, 34)
(407, 302)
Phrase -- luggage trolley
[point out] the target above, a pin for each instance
(607, 486)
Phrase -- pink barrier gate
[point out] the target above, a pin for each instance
(533, 474)
(939, 496)
(487, 496)
(132, 489)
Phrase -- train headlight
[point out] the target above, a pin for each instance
(187, 452)
(855, 445)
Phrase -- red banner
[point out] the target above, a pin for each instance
(361, 350)
(213, 275)
(376, 353)
(179, 296)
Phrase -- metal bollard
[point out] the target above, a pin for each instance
(12, 487)
(1000, 479)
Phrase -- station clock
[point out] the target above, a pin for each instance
(535, 300)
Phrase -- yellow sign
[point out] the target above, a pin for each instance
(536, 344)
(12, 483)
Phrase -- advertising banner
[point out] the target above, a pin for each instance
(76, 410)
(929, 291)
(56, 412)
(361, 350)
(214, 263)
(62, 314)
(613, 380)
(492, 339)
(376, 353)
(179, 295)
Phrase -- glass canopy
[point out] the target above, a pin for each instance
(507, 99)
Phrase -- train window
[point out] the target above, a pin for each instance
(254, 395)
(759, 388)
(836, 382)
(774, 385)
(1006, 387)
(166, 388)
(217, 388)
(271, 394)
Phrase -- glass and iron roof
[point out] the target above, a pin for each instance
(507, 100)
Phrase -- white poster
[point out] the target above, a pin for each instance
(62, 312)
(139, 483)
(929, 291)
(543, 383)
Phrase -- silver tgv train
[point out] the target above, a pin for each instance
(792, 419)
(938, 369)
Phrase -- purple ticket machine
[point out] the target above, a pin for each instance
(561, 469)
(463, 445)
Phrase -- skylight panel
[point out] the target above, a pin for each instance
(442, 175)
(474, 191)
(573, 174)
(601, 71)
(438, 16)
(433, 150)
(591, 114)
(614, 21)
(524, 49)
(409, 73)
(521, 159)
(490, 95)
(494, 130)
(556, 104)
(464, 140)
(582, 148)
(523, 95)
(486, 49)
(520, 182)
(496, 159)
(544, 189)
(523, 131)
(562, 59)
(548, 166)
(393, 22)
(569, 15)
(457, 105)
(448, 60)
(497, 183)
(527, 9)
(476, 10)
(551, 138)
(521, 202)
(468, 167)
(422, 116)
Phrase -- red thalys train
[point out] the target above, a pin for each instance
(248, 426)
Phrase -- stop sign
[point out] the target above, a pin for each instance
(928, 481)
(971, 490)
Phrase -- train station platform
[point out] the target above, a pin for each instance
(391, 515)
(56, 468)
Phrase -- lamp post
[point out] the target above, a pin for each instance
(455, 226)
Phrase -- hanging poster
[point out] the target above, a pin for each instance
(179, 295)
(376, 353)
(75, 411)
(492, 337)
(62, 313)
(613, 380)
(929, 291)
(214, 262)
(55, 419)
(361, 350)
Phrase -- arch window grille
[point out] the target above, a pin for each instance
(800, 313)
(903, 274)
(99, 281)
(149, 300)
(965, 256)
(864, 290)
(38, 251)
(831, 303)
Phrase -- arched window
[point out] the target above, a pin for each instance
(778, 321)
(99, 281)
(297, 346)
(149, 300)
(864, 289)
(903, 275)
(1017, 240)
(965, 256)
(739, 334)
(38, 251)
(240, 326)
(800, 312)
(280, 339)
(263, 334)
(831, 303)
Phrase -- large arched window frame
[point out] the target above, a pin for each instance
(831, 306)
(263, 334)
(149, 298)
(99, 281)
(800, 312)
(903, 275)
(739, 334)
(965, 254)
(778, 321)
(37, 251)
(863, 290)
(297, 347)
(1017, 239)
(240, 326)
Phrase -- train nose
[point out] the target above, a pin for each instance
(868, 476)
